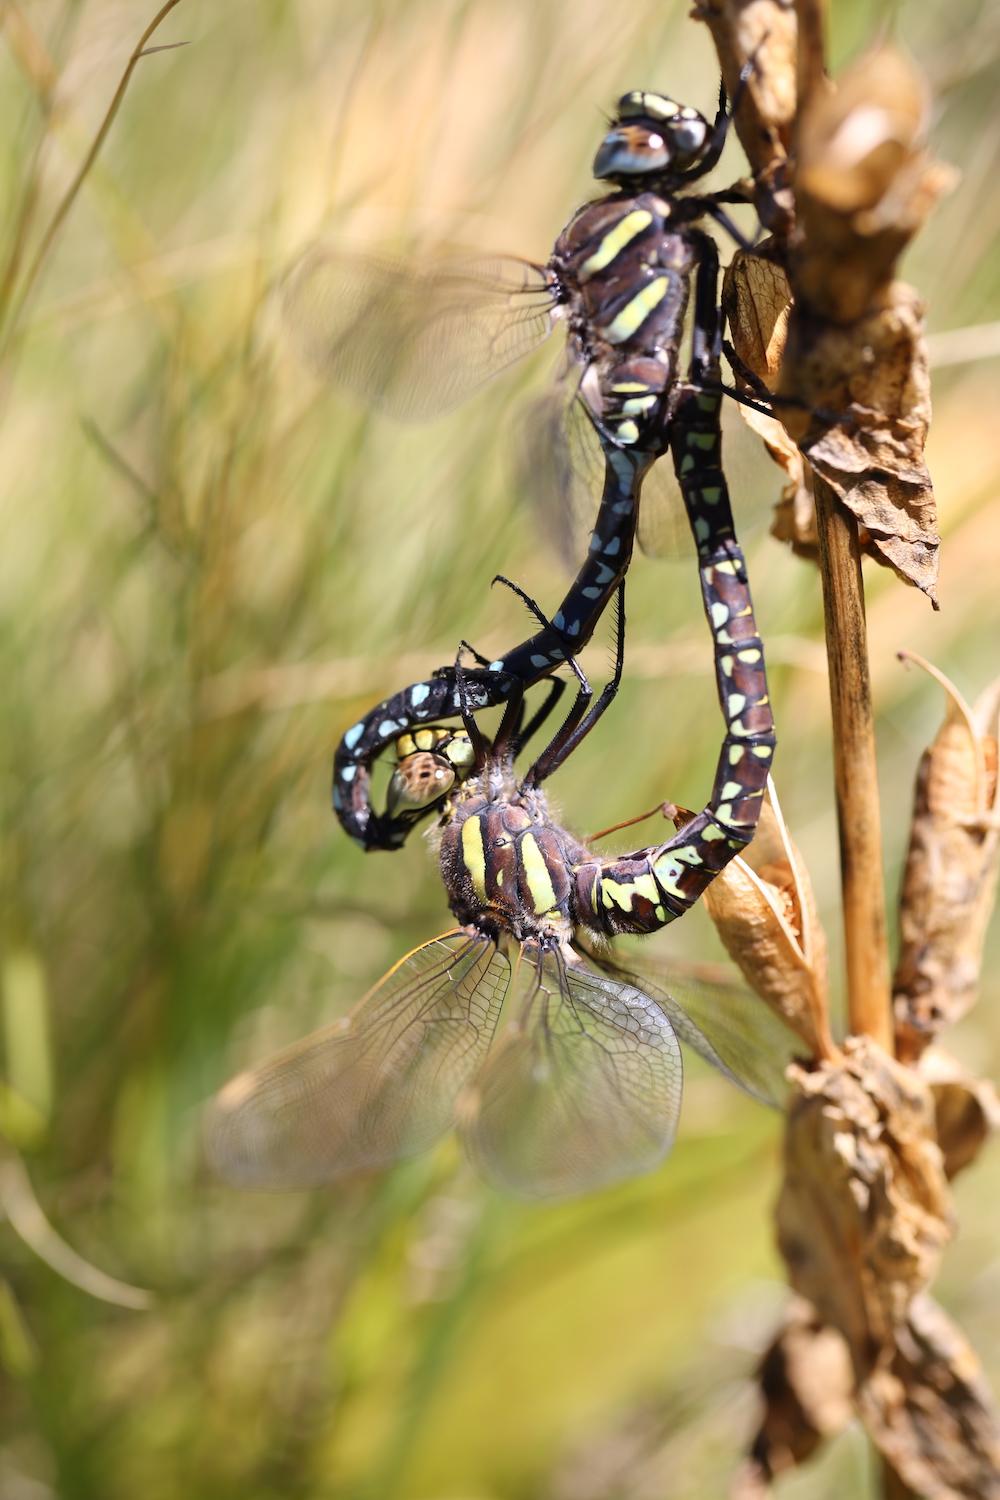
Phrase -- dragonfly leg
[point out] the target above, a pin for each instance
(580, 720)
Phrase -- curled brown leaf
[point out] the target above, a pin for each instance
(950, 877)
(806, 1384)
(765, 914)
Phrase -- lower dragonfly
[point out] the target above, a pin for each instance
(582, 1086)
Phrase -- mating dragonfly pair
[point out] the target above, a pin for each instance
(582, 1084)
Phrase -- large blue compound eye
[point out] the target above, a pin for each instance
(633, 149)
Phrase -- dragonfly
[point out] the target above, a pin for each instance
(580, 1086)
(415, 339)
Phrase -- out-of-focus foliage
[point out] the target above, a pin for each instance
(208, 568)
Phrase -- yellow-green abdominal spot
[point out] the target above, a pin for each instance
(615, 240)
(474, 855)
(537, 875)
(635, 313)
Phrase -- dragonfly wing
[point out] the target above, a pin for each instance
(719, 1018)
(561, 468)
(415, 339)
(376, 1086)
(663, 529)
(582, 1090)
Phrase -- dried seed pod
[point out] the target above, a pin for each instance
(863, 183)
(864, 1213)
(807, 1384)
(930, 1411)
(949, 882)
(967, 1109)
(764, 911)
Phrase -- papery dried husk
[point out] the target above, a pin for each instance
(863, 183)
(930, 1410)
(806, 1382)
(766, 31)
(874, 376)
(757, 299)
(765, 914)
(950, 877)
(864, 1213)
(967, 1109)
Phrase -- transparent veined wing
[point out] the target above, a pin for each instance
(415, 339)
(581, 1090)
(718, 1017)
(560, 473)
(376, 1086)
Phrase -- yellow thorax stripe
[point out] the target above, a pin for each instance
(537, 874)
(474, 855)
(615, 240)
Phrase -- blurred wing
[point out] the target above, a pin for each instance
(415, 339)
(378, 1085)
(583, 1089)
(560, 469)
(663, 529)
(720, 1019)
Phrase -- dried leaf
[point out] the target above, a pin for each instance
(949, 882)
(863, 183)
(764, 911)
(864, 1213)
(930, 1410)
(807, 1384)
(967, 1109)
(874, 374)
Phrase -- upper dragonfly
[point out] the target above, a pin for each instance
(416, 339)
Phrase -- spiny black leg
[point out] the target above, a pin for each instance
(481, 661)
(575, 730)
(722, 218)
(546, 624)
(720, 129)
(472, 729)
(557, 686)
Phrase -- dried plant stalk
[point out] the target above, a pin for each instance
(950, 878)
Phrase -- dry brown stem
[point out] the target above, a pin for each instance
(764, 30)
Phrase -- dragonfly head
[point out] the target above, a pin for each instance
(651, 136)
(430, 761)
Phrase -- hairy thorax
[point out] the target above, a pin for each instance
(506, 866)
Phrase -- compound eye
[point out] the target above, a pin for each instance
(689, 136)
(460, 752)
(417, 782)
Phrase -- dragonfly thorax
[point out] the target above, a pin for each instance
(507, 867)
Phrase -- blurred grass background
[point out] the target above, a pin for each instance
(208, 568)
